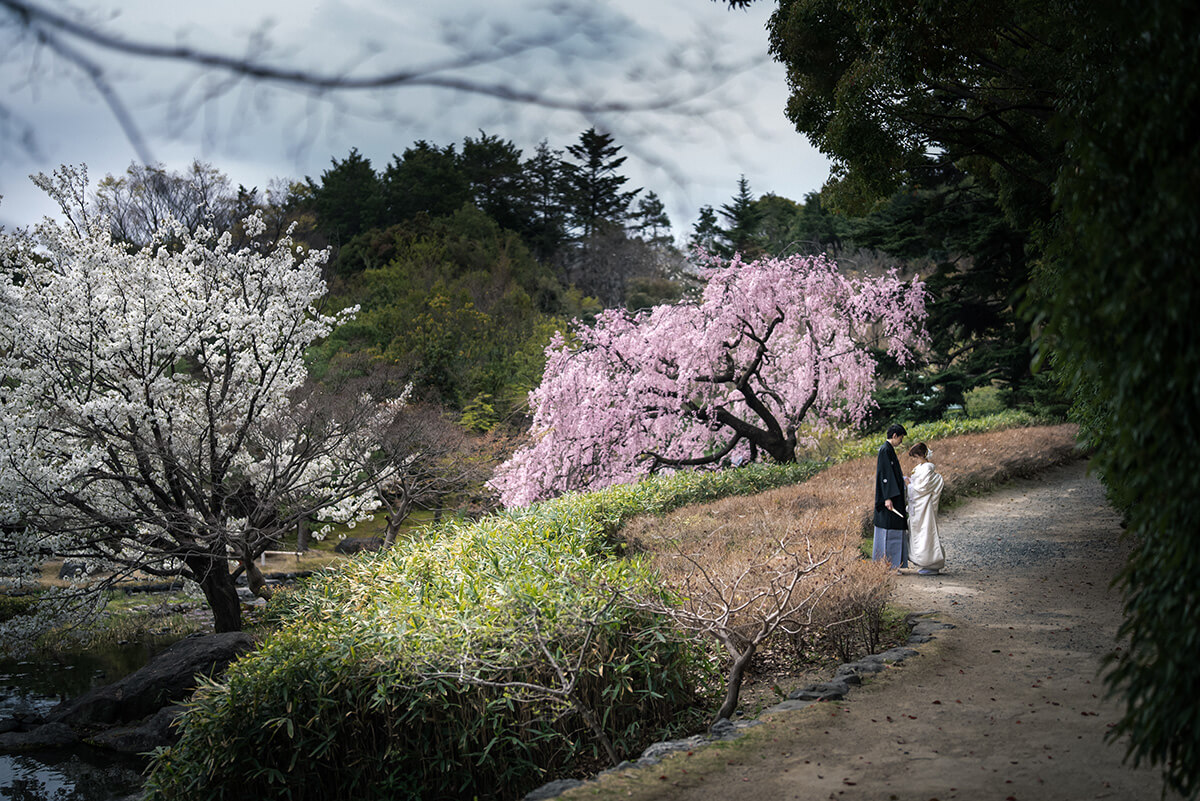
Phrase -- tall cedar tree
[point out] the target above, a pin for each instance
(742, 219)
(496, 181)
(596, 196)
(549, 183)
(426, 178)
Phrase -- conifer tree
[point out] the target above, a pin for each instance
(596, 195)
(742, 217)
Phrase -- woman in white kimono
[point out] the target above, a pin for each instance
(924, 491)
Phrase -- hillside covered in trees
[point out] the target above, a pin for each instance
(464, 259)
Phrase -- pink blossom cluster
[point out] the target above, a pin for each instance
(772, 351)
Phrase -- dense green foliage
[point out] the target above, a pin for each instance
(1124, 303)
(1080, 118)
(895, 93)
(456, 302)
(464, 263)
(939, 429)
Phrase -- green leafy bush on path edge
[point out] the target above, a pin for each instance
(351, 697)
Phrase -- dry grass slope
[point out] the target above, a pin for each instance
(829, 514)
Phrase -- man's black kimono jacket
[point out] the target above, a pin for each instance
(889, 483)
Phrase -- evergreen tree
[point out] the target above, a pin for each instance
(818, 229)
(349, 199)
(496, 181)
(652, 222)
(742, 217)
(548, 184)
(778, 219)
(706, 232)
(596, 187)
(428, 179)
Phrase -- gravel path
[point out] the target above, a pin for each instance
(1007, 705)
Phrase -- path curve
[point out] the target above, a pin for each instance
(1008, 705)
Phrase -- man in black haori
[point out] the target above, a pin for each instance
(891, 511)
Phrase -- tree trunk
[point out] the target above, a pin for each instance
(593, 723)
(733, 686)
(255, 580)
(302, 533)
(212, 573)
(394, 520)
(393, 528)
(781, 449)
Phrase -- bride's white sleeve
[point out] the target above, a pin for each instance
(922, 480)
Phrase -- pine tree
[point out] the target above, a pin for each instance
(596, 196)
(496, 182)
(652, 222)
(707, 233)
(548, 184)
(742, 217)
(349, 199)
(427, 178)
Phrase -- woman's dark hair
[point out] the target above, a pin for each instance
(895, 429)
(920, 449)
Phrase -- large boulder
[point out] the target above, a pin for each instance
(142, 737)
(51, 735)
(168, 679)
(353, 545)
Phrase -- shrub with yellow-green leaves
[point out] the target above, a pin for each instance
(463, 664)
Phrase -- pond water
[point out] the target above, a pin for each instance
(78, 773)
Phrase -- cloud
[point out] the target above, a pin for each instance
(728, 121)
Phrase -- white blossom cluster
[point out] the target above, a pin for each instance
(149, 398)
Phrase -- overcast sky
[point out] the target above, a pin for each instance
(729, 118)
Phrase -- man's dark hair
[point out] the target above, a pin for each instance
(895, 429)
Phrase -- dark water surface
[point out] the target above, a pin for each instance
(79, 773)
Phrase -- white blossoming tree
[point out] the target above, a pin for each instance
(155, 414)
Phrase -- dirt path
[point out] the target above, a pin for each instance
(1007, 705)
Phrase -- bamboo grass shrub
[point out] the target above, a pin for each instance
(397, 676)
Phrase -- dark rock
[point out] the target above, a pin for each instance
(51, 735)
(788, 706)
(656, 751)
(852, 672)
(552, 789)
(352, 545)
(722, 728)
(142, 737)
(169, 678)
(72, 570)
(834, 690)
(925, 630)
(895, 655)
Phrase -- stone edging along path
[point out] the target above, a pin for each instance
(847, 676)
(997, 695)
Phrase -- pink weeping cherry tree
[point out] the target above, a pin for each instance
(770, 346)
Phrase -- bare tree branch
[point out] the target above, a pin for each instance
(72, 38)
(773, 592)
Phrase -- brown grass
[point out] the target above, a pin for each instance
(831, 512)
